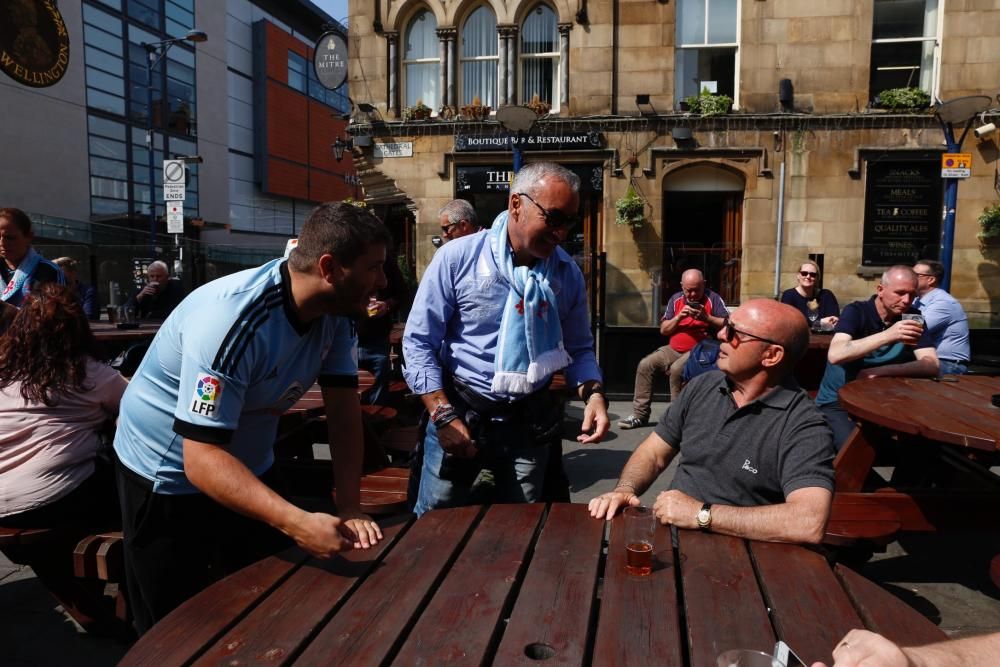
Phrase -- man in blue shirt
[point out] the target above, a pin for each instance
(495, 315)
(872, 339)
(944, 318)
(198, 421)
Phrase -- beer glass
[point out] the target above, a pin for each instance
(640, 525)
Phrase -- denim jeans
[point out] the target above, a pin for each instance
(949, 367)
(374, 357)
(518, 474)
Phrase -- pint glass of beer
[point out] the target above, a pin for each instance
(640, 524)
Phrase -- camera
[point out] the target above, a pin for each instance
(984, 130)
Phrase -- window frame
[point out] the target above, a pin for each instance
(522, 57)
(478, 58)
(935, 73)
(706, 45)
(403, 62)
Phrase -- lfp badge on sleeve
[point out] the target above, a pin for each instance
(956, 165)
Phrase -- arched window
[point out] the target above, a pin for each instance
(540, 57)
(479, 57)
(421, 61)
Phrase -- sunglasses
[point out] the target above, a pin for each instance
(446, 229)
(733, 339)
(809, 274)
(555, 217)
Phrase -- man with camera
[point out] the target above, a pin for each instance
(757, 457)
(159, 296)
(688, 316)
(883, 336)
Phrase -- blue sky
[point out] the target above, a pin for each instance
(335, 8)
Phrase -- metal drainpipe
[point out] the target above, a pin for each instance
(614, 58)
(781, 230)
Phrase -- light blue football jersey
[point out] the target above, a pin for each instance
(226, 364)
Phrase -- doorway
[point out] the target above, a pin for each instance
(703, 229)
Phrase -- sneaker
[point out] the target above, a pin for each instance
(632, 422)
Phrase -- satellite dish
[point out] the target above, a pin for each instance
(516, 119)
(962, 109)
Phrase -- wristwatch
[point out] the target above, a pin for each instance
(705, 516)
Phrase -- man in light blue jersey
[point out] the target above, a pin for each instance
(496, 314)
(198, 421)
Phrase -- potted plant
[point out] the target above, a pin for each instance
(538, 106)
(902, 99)
(989, 225)
(475, 111)
(418, 111)
(630, 209)
(709, 104)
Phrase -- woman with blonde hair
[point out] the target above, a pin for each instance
(819, 306)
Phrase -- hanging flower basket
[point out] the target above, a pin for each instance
(630, 209)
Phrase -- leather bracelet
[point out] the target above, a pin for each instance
(596, 389)
(440, 410)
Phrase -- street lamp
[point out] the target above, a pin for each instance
(338, 147)
(960, 110)
(155, 51)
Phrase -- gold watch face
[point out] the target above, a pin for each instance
(704, 517)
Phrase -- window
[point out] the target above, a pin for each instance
(109, 181)
(904, 45)
(104, 64)
(706, 48)
(421, 61)
(540, 57)
(479, 58)
(296, 72)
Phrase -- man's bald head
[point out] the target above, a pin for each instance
(693, 284)
(779, 322)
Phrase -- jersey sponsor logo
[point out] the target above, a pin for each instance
(748, 467)
(207, 391)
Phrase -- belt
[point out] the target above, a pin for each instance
(954, 361)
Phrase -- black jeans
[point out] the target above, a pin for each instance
(176, 545)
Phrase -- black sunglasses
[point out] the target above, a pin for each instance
(731, 335)
(446, 229)
(555, 217)
(811, 274)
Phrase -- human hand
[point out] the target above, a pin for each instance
(606, 505)
(595, 420)
(362, 525)
(677, 508)
(322, 535)
(830, 321)
(378, 308)
(454, 438)
(696, 312)
(907, 332)
(861, 647)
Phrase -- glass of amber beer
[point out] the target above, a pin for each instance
(640, 524)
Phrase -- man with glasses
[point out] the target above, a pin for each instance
(758, 456)
(458, 219)
(944, 318)
(688, 316)
(873, 338)
(494, 317)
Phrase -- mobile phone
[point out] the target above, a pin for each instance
(694, 304)
(786, 656)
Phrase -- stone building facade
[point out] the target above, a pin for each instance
(805, 164)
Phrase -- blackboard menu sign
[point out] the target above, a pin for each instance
(902, 210)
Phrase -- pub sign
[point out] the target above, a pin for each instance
(903, 198)
(34, 44)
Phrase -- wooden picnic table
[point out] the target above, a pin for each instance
(106, 332)
(311, 402)
(512, 584)
(925, 422)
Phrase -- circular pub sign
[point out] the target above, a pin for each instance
(34, 44)
(330, 60)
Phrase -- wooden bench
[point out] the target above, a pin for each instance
(859, 521)
(87, 579)
(401, 440)
(995, 570)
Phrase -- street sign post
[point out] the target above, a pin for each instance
(175, 218)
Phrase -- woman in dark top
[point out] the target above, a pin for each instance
(21, 268)
(819, 306)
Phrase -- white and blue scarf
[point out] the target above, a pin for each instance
(530, 348)
(18, 287)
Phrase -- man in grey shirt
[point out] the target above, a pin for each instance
(758, 455)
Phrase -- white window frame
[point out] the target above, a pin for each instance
(935, 74)
(419, 61)
(705, 44)
(469, 59)
(551, 55)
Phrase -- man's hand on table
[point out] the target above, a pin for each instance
(454, 438)
(606, 505)
(322, 535)
(677, 508)
(366, 531)
(595, 420)
(861, 648)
